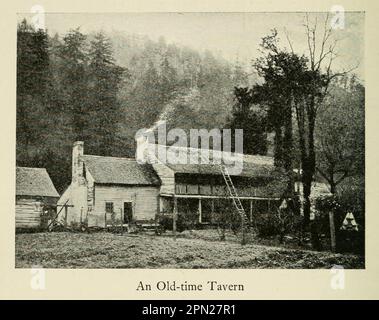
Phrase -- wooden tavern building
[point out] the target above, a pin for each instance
(122, 187)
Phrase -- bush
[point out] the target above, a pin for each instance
(266, 225)
(226, 217)
(351, 196)
(166, 222)
(280, 223)
(347, 200)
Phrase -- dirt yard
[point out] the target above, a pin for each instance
(107, 250)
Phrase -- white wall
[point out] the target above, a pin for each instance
(144, 199)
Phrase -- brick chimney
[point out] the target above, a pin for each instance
(77, 161)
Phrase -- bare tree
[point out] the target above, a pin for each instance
(319, 77)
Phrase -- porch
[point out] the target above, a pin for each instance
(203, 209)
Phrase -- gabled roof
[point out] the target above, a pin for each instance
(34, 182)
(112, 170)
(260, 177)
(253, 165)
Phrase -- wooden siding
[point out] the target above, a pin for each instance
(143, 198)
(167, 177)
(259, 187)
(28, 213)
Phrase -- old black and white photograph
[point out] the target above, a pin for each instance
(190, 140)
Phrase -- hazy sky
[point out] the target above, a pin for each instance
(231, 35)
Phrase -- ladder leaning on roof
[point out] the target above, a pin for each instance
(236, 200)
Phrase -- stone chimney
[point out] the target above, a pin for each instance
(77, 161)
(145, 146)
(141, 148)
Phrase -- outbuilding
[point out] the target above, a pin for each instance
(36, 198)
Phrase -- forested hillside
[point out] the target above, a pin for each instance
(101, 88)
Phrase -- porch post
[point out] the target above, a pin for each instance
(251, 210)
(174, 216)
(212, 209)
(160, 205)
(200, 210)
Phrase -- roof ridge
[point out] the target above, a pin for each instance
(212, 150)
(97, 156)
(34, 168)
(117, 170)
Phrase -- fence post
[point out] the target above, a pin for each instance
(243, 241)
(121, 221)
(65, 215)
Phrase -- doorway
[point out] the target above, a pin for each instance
(128, 212)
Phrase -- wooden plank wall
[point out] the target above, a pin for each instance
(144, 198)
(28, 213)
(167, 177)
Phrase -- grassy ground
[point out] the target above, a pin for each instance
(190, 250)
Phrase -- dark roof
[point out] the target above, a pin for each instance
(259, 176)
(112, 170)
(34, 182)
(253, 165)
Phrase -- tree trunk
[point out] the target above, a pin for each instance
(309, 166)
(288, 147)
(307, 185)
(278, 147)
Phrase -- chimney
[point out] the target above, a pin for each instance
(140, 149)
(77, 161)
(145, 147)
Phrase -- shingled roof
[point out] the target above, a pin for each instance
(253, 165)
(34, 182)
(112, 170)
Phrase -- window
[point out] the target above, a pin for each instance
(109, 207)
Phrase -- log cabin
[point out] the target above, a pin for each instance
(36, 198)
(105, 189)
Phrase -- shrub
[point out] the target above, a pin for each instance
(167, 223)
(346, 200)
(189, 219)
(351, 196)
(278, 223)
(226, 217)
(266, 225)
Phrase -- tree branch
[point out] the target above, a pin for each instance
(288, 39)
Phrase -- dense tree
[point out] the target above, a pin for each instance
(168, 82)
(281, 72)
(103, 88)
(306, 81)
(340, 134)
(251, 120)
(74, 79)
(32, 80)
(104, 111)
